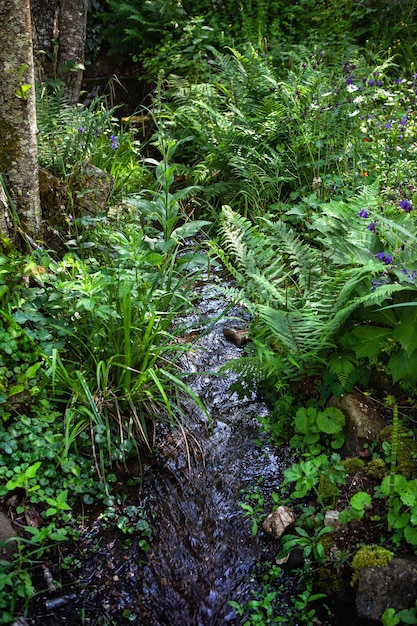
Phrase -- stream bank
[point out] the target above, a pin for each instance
(201, 552)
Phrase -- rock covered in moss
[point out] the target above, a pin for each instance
(353, 465)
(371, 556)
(376, 470)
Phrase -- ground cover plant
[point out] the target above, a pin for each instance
(302, 157)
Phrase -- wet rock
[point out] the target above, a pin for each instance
(276, 523)
(363, 421)
(238, 336)
(392, 586)
(7, 537)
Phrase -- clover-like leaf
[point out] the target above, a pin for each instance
(331, 420)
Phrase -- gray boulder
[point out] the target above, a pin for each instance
(392, 586)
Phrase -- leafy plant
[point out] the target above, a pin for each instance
(306, 474)
(359, 503)
(309, 545)
(253, 505)
(391, 617)
(165, 209)
(72, 136)
(299, 300)
(402, 507)
(311, 427)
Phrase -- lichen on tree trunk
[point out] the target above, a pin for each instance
(72, 33)
(18, 131)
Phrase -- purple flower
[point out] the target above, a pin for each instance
(81, 129)
(411, 275)
(403, 120)
(363, 213)
(378, 83)
(406, 205)
(383, 256)
(388, 125)
(378, 282)
(399, 81)
(371, 82)
(113, 141)
(372, 227)
(349, 80)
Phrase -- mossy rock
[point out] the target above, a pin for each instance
(353, 465)
(369, 556)
(376, 470)
(54, 200)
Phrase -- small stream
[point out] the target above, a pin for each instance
(202, 550)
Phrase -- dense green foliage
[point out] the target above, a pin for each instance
(289, 129)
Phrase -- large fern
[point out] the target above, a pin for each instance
(299, 298)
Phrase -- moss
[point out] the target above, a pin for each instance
(9, 145)
(406, 450)
(376, 470)
(330, 582)
(369, 556)
(353, 466)
(327, 491)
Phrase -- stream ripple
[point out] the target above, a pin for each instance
(202, 551)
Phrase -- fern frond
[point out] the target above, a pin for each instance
(341, 365)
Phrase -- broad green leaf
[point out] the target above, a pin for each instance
(400, 484)
(410, 534)
(396, 520)
(15, 389)
(406, 330)
(31, 371)
(360, 500)
(407, 616)
(189, 229)
(304, 420)
(30, 472)
(409, 495)
(331, 420)
(403, 367)
(370, 339)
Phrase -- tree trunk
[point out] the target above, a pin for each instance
(72, 34)
(18, 132)
(45, 37)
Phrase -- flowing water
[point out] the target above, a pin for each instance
(202, 551)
